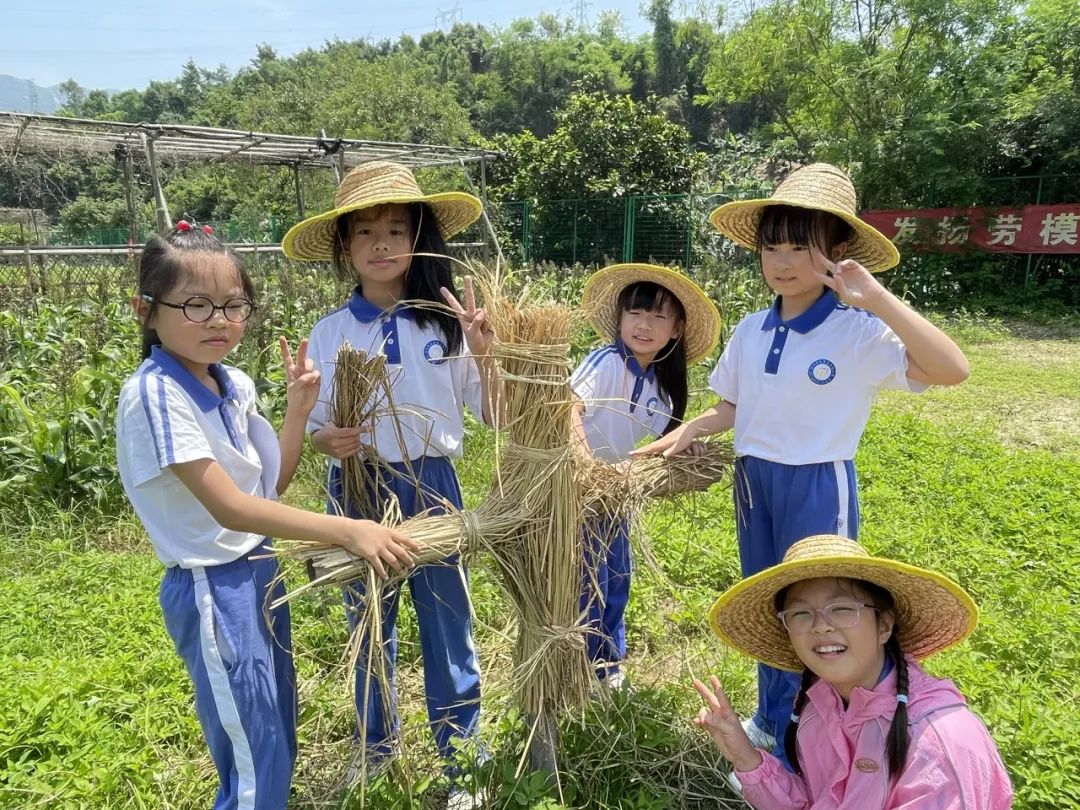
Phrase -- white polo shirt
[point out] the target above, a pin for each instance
(803, 388)
(621, 403)
(430, 389)
(165, 416)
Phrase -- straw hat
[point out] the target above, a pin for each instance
(376, 183)
(818, 187)
(933, 612)
(701, 332)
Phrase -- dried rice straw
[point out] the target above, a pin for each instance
(532, 521)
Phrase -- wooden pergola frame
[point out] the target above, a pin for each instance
(51, 134)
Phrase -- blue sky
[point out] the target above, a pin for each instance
(119, 44)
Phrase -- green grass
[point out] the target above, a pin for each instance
(978, 482)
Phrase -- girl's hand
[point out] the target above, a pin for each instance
(853, 284)
(479, 333)
(338, 442)
(696, 448)
(301, 378)
(672, 444)
(723, 724)
(379, 545)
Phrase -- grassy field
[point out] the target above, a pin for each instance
(981, 482)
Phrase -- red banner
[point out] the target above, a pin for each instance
(1031, 229)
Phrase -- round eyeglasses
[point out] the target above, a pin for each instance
(839, 615)
(198, 309)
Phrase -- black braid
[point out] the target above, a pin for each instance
(896, 746)
(808, 679)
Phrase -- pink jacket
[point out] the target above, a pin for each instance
(952, 763)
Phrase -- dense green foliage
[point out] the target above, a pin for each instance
(914, 97)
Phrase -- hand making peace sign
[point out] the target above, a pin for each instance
(301, 378)
(723, 724)
(478, 331)
(853, 284)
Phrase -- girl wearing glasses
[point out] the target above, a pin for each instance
(203, 471)
(870, 728)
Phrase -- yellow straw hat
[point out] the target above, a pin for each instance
(701, 332)
(933, 612)
(818, 187)
(377, 182)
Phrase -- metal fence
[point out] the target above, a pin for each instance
(664, 229)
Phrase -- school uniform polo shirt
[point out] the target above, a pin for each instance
(621, 403)
(166, 416)
(429, 387)
(803, 388)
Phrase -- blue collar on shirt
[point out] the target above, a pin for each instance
(366, 312)
(633, 364)
(886, 668)
(206, 399)
(811, 319)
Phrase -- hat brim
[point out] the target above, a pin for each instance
(600, 301)
(871, 248)
(933, 612)
(313, 239)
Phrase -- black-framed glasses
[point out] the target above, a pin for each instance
(839, 615)
(198, 309)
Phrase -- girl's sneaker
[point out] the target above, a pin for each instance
(759, 738)
(462, 799)
(734, 783)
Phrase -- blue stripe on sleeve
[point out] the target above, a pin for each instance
(144, 396)
(593, 360)
(166, 428)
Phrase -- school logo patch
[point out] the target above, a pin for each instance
(435, 352)
(821, 371)
(652, 405)
(867, 765)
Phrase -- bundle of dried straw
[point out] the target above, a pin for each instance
(531, 523)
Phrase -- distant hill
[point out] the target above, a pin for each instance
(18, 95)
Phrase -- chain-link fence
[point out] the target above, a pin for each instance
(1002, 281)
(664, 229)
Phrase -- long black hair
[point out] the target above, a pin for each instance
(426, 274)
(670, 361)
(898, 739)
(793, 225)
(163, 264)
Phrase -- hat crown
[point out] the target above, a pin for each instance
(818, 184)
(376, 179)
(824, 545)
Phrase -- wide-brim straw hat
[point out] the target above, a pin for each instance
(932, 611)
(377, 182)
(818, 187)
(701, 332)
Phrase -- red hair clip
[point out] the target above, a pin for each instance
(183, 225)
(207, 230)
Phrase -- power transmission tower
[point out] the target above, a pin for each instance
(580, 8)
(32, 95)
(445, 18)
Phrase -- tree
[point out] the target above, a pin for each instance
(897, 91)
(602, 145)
(73, 95)
(668, 75)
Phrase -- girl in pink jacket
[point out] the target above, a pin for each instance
(870, 729)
